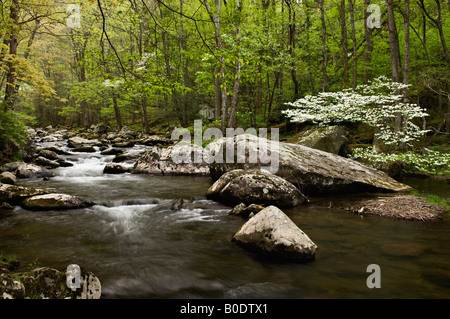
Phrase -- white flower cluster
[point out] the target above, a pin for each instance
(378, 104)
(430, 161)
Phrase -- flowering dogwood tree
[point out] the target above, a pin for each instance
(378, 104)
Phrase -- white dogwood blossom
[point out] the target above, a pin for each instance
(377, 104)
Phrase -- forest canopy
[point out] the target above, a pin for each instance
(148, 63)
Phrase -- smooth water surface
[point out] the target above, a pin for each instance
(142, 245)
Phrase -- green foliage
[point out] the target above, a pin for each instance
(12, 128)
(430, 162)
(434, 199)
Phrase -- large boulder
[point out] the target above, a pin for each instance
(313, 171)
(26, 170)
(14, 194)
(171, 161)
(78, 141)
(55, 201)
(56, 149)
(47, 163)
(259, 187)
(328, 139)
(274, 234)
(47, 154)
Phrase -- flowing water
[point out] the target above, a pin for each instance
(140, 245)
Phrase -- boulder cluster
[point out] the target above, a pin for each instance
(254, 190)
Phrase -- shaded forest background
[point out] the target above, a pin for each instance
(159, 64)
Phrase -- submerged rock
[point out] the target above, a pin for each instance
(313, 171)
(261, 187)
(158, 160)
(112, 168)
(274, 234)
(246, 211)
(111, 151)
(6, 209)
(55, 202)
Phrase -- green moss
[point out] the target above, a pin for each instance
(433, 199)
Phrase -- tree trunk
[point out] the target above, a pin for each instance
(344, 44)
(83, 103)
(324, 48)
(355, 55)
(13, 44)
(237, 75)
(291, 44)
(406, 65)
(144, 115)
(308, 54)
(117, 111)
(217, 95)
(393, 42)
(438, 24)
(369, 46)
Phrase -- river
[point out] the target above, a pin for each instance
(140, 247)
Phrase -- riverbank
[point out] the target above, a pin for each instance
(407, 207)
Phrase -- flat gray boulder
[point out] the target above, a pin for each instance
(55, 201)
(274, 234)
(254, 187)
(313, 171)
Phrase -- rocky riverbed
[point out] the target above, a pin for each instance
(304, 173)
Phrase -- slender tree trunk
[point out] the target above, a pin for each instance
(393, 42)
(117, 111)
(83, 103)
(324, 48)
(13, 44)
(406, 65)
(237, 75)
(219, 83)
(369, 46)
(438, 24)
(184, 67)
(144, 115)
(344, 44)
(291, 44)
(308, 54)
(217, 94)
(355, 55)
